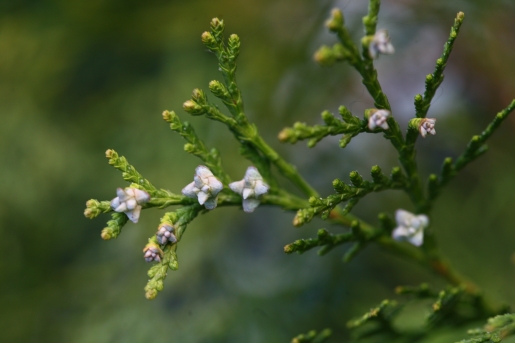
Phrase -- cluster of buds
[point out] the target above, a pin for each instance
(195, 106)
(377, 118)
(423, 125)
(410, 227)
(251, 188)
(152, 252)
(427, 126)
(129, 201)
(205, 187)
(165, 234)
(380, 44)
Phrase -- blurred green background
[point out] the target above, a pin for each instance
(79, 77)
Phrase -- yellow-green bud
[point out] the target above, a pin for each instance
(208, 40)
(335, 22)
(106, 234)
(189, 148)
(325, 56)
(110, 153)
(198, 96)
(288, 248)
(234, 42)
(151, 294)
(216, 23)
(168, 116)
(285, 134)
(218, 89)
(192, 107)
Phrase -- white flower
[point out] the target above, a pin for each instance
(165, 234)
(251, 188)
(410, 227)
(427, 125)
(205, 187)
(378, 119)
(380, 44)
(129, 201)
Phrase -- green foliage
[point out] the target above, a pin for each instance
(494, 331)
(313, 337)
(460, 303)
(350, 127)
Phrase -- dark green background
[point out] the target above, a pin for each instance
(79, 77)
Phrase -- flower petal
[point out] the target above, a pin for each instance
(260, 188)
(417, 239)
(371, 124)
(423, 220)
(252, 174)
(211, 203)
(190, 190)
(215, 185)
(202, 197)
(403, 218)
(120, 192)
(133, 215)
(247, 192)
(249, 205)
(198, 181)
(141, 197)
(115, 203)
(400, 233)
(203, 172)
(131, 204)
(237, 186)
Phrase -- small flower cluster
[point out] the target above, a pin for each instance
(129, 201)
(423, 125)
(152, 252)
(427, 126)
(165, 234)
(410, 227)
(206, 187)
(380, 44)
(377, 118)
(250, 188)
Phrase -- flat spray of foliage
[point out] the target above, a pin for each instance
(460, 303)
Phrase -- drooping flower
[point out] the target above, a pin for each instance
(251, 188)
(165, 234)
(129, 201)
(205, 187)
(380, 44)
(377, 118)
(410, 227)
(427, 125)
(152, 252)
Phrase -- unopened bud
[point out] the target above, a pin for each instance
(198, 96)
(423, 125)
(335, 22)
(192, 107)
(325, 56)
(152, 252)
(356, 179)
(106, 234)
(209, 40)
(234, 44)
(285, 134)
(217, 24)
(110, 153)
(218, 89)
